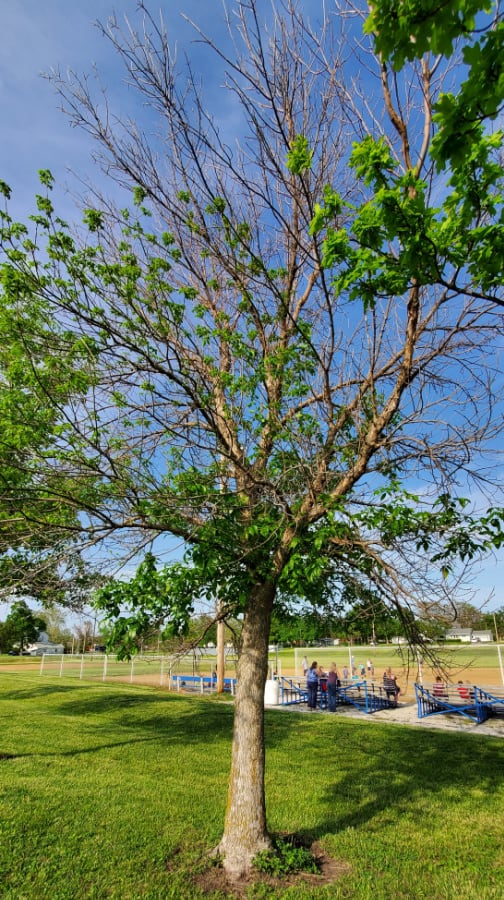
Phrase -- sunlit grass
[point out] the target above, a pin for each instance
(118, 791)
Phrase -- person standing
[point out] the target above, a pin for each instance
(312, 685)
(390, 685)
(322, 677)
(304, 664)
(332, 687)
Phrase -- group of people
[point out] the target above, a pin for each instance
(440, 689)
(353, 672)
(361, 669)
(329, 682)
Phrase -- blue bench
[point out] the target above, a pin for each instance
(365, 696)
(442, 700)
(292, 693)
(475, 703)
(489, 702)
(202, 683)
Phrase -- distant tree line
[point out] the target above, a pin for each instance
(364, 625)
(359, 624)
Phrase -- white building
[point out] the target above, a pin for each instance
(459, 634)
(483, 637)
(468, 635)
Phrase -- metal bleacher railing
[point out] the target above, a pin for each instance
(365, 696)
(472, 702)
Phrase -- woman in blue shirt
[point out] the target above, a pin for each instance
(312, 685)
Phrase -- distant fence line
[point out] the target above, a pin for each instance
(163, 671)
(196, 668)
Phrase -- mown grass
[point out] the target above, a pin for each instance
(118, 791)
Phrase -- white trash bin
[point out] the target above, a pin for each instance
(271, 693)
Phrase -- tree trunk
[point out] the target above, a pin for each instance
(245, 832)
(220, 657)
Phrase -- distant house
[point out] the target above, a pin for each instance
(485, 637)
(456, 633)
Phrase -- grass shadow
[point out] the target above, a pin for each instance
(405, 766)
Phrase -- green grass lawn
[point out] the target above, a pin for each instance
(118, 791)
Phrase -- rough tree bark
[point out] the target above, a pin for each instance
(245, 830)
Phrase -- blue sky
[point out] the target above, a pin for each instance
(36, 135)
(61, 34)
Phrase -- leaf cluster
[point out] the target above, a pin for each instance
(285, 858)
(409, 30)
